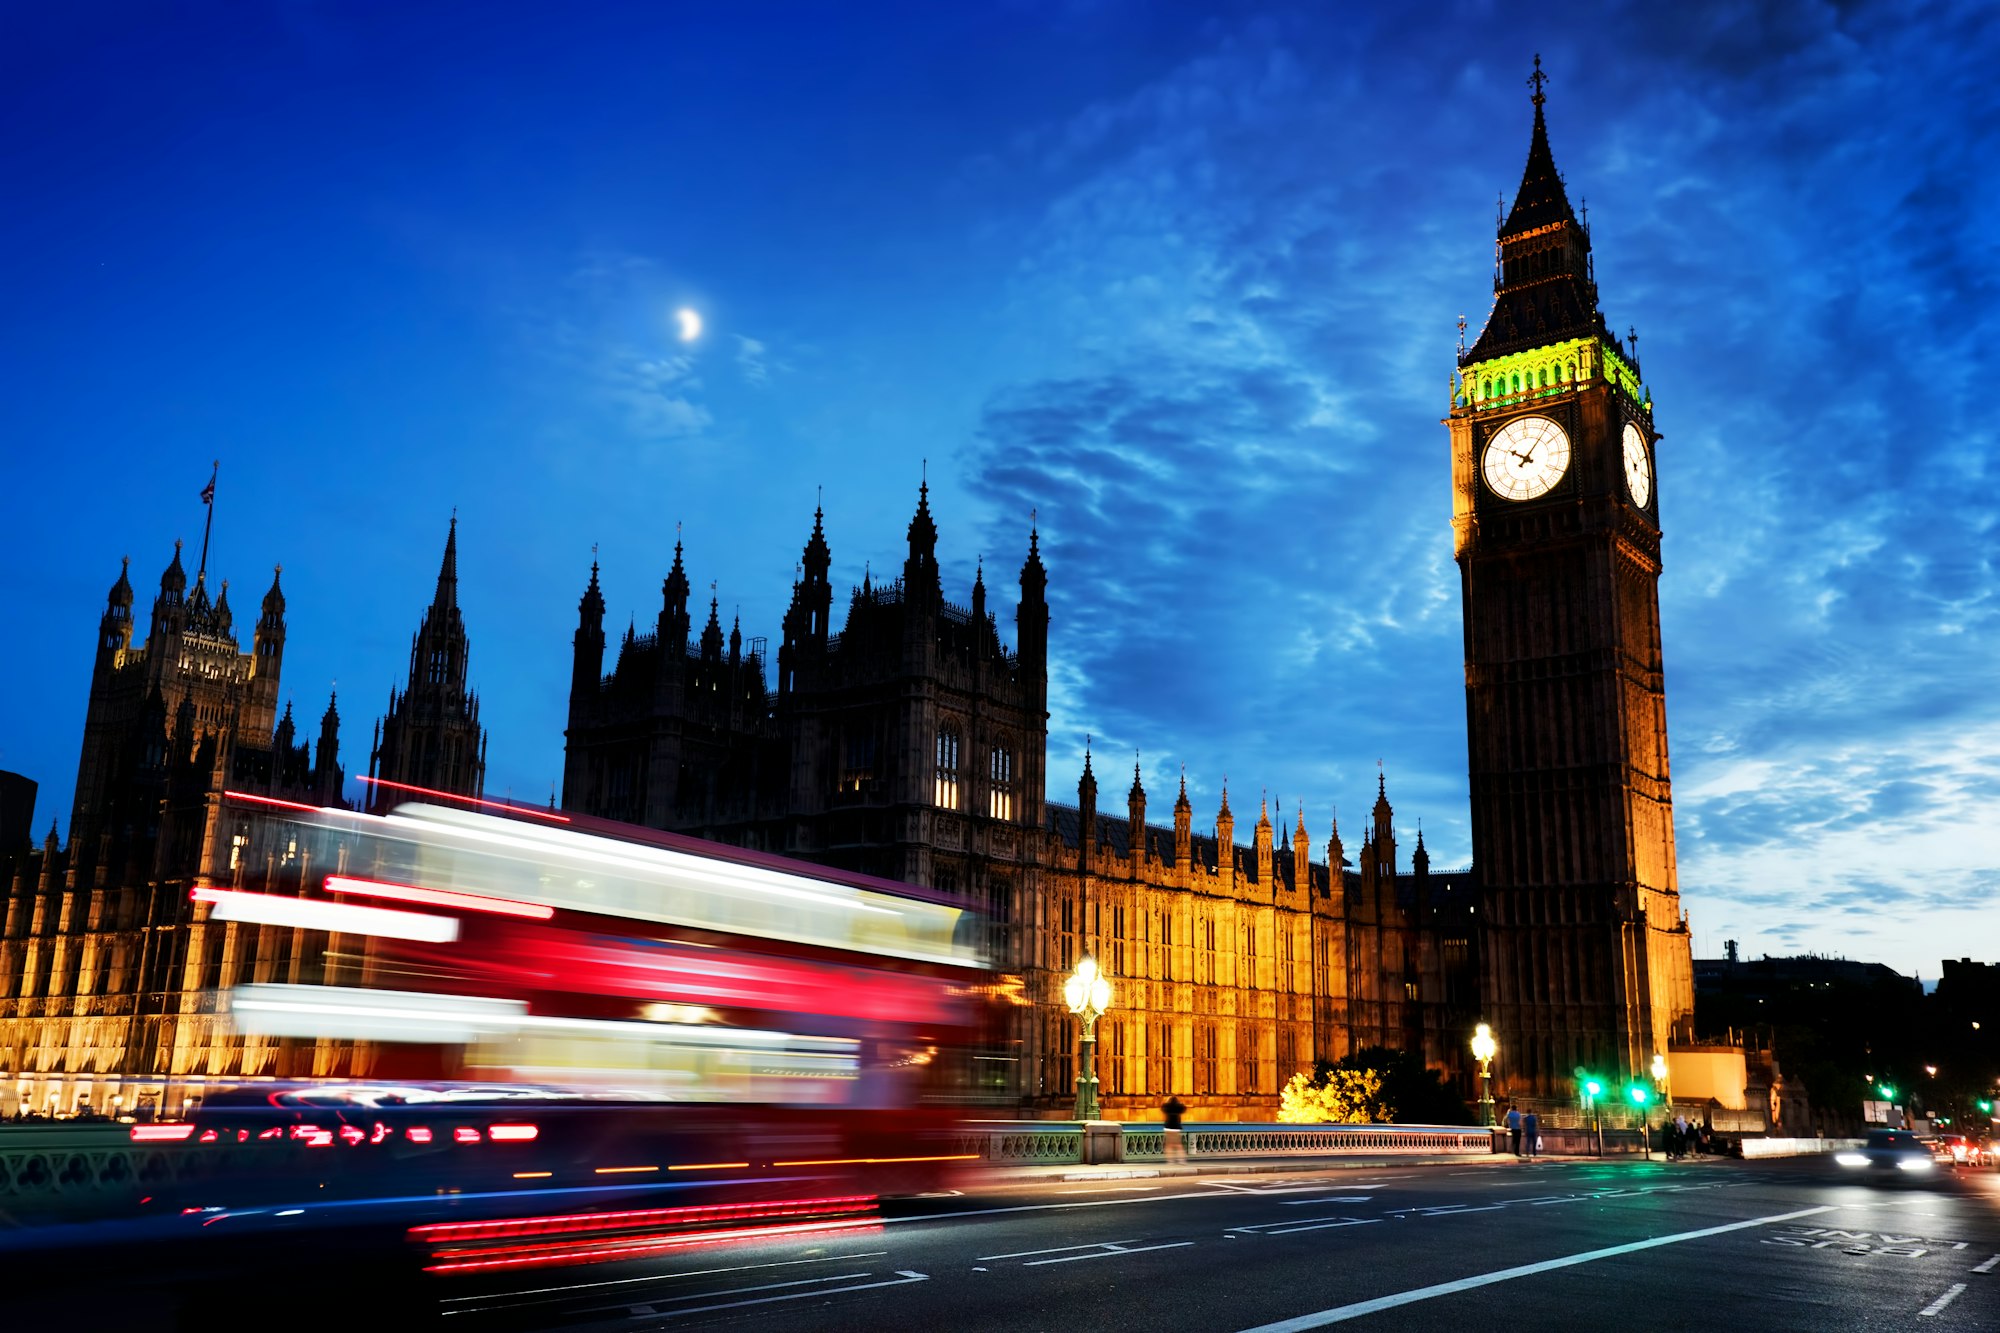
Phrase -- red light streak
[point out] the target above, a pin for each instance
(640, 1246)
(270, 800)
(207, 1136)
(352, 1134)
(465, 1134)
(417, 1134)
(696, 1214)
(410, 893)
(465, 800)
(877, 1161)
(160, 1133)
(512, 1133)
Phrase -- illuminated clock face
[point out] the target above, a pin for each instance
(1525, 458)
(1638, 467)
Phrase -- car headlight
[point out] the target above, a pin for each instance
(1916, 1164)
(1850, 1159)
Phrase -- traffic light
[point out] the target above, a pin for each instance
(1594, 1088)
(1638, 1094)
(1888, 1093)
(1985, 1107)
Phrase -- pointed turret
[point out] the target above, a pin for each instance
(327, 777)
(1183, 824)
(1135, 807)
(921, 582)
(1263, 841)
(1301, 854)
(587, 661)
(979, 593)
(1385, 830)
(447, 584)
(736, 639)
(222, 618)
(1086, 808)
(268, 644)
(1225, 832)
(1336, 857)
(711, 634)
(114, 629)
(174, 579)
(674, 609)
(815, 595)
(286, 733)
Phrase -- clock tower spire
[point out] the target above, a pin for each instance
(1585, 955)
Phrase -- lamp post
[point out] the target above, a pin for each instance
(1088, 994)
(1660, 1083)
(1483, 1049)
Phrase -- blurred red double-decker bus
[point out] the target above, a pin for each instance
(674, 1006)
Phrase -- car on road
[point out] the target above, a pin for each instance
(1890, 1154)
(1964, 1150)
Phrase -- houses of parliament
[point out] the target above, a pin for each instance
(903, 733)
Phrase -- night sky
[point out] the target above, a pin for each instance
(1184, 283)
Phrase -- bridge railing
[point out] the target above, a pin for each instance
(53, 1171)
(1027, 1142)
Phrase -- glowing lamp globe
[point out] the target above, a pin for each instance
(1483, 1045)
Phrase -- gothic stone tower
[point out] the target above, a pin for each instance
(431, 736)
(1556, 523)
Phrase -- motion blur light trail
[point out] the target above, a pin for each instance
(583, 1238)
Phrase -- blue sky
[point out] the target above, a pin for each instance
(1182, 281)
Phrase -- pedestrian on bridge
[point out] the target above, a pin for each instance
(1171, 1112)
(1531, 1132)
(1514, 1127)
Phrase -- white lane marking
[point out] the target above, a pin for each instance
(1959, 1246)
(903, 1278)
(1110, 1253)
(1937, 1306)
(659, 1277)
(1987, 1267)
(1053, 1249)
(1294, 1225)
(1341, 1313)
(1338, 1198)
(1040, 1208)
(1118, 1189)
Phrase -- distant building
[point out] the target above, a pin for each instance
(1768, 978)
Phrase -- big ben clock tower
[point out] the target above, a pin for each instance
(1555, 515)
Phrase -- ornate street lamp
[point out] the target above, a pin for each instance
(1660, 1081)
(1088, 994)
(1483, 1050)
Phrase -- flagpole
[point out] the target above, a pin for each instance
(208, 525)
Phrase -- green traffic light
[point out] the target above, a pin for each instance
(1887, 1092)
(1986, 1108)
(1593, 1087)
(1638, 1095)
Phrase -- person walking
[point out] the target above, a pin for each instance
(1514, 1127)
(1531, 1132)
(1171, 1112)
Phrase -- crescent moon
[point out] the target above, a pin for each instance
(690, 324)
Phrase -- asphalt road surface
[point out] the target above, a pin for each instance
(1699, 1245)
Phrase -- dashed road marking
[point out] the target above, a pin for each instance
(1987, 1267)
(1937, 1306)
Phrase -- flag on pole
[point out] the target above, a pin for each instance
(208, 492)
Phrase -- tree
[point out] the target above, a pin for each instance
(1412, 1093)
(1333, 1097)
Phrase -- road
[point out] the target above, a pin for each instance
(1781, 1245)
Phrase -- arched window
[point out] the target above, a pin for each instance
(1545, 377)
(945, 793)
(1517, 383)
(1000, 783)
(1486, 388)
